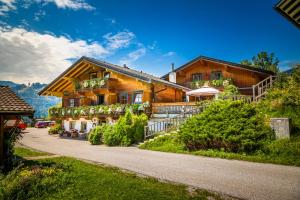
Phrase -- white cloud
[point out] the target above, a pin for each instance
(6, 6)
(170, 53)
(71, 4)
(119, 40)
(32, 56)
(133, 56)
(38, 15)
(152, 46)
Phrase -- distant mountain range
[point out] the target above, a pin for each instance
(29, 94)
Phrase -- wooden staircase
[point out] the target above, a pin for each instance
(260, 89)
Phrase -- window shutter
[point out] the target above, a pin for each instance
(65, 102)
(77, 102)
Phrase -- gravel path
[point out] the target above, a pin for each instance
(240, 179)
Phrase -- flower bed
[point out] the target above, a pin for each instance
(90, 111)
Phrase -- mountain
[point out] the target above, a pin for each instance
(29, 94)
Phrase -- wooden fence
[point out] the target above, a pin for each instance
(169, 123)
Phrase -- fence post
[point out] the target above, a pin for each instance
(253, 92)
(145, 132)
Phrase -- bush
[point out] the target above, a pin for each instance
(56, 129)
(96, 134)
(229, 90)
(139, 122)
(110, 136)
(233, 126)
(129, 129)
(283, 100)
(32, 182)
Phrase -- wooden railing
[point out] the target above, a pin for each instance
(169, 123)
(260, 89)
(172, 108)
(245, 98)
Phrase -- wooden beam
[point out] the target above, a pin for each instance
(63, 82)
(72, 73)
(1, 140)
(65, 86)
(81, 72)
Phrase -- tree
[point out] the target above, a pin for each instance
(246, 62)
(263, 60)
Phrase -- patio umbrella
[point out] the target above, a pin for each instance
(203, 91)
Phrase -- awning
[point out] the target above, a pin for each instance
(203, 91)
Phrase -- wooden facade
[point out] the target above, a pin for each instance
(122, 85)
(210, 69)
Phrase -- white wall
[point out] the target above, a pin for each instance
(66, 124)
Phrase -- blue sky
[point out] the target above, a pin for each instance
(41, 38)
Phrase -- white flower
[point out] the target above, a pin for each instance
(82, 112)
(92, 111)
(93, 83)
(85, 84)
(69, 111)
(101, 83)
(100, 110)
(109, 111)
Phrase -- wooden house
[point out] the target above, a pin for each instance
(89, 83)
(12, 108)
(204, 70)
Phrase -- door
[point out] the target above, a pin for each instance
(100, 99)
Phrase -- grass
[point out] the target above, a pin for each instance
(67, 178)
(25, 152)
(286, 152)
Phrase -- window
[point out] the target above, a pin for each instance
(197, 77)
(216, 75)
(93, 75)
(72, 102)
(106, 75)
(83, 126)
(72, 125)
(137, 98)
(123, 97)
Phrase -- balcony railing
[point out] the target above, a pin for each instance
(96, 83)
(94, 111)
(212, 83)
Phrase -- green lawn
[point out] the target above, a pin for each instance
(67, 178)
(24, 152)
(286, 152)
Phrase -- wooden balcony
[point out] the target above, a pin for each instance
(96, 84)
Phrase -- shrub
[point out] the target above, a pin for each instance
(233, 126)
(283, 100)
(32, 182)
(95, 135)
(111, 137)
(229, 90)
(129, 129)
(139, 122)
(56, 129)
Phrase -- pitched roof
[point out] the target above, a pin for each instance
(11, 103)
(236, 65)
(122, 70)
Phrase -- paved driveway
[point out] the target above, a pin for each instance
(236, 178)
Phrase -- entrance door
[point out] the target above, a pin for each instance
(100, 99)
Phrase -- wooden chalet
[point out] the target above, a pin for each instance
(90, 82)
(204, 70)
